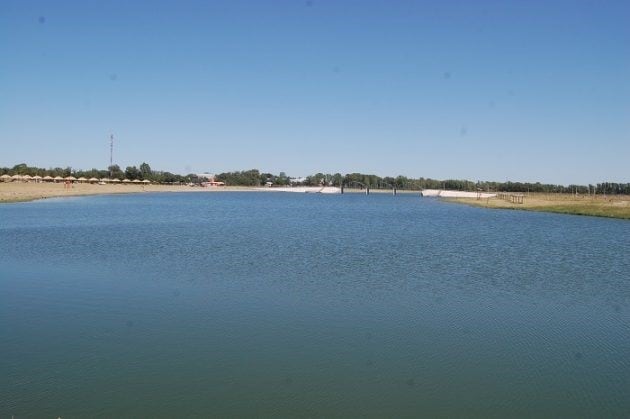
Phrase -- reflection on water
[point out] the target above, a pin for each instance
(292, 305)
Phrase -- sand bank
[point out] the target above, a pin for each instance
(439, 193)
(20, 191)
(303, 189)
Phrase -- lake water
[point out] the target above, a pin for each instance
(271, 304)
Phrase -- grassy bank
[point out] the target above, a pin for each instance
(597, 206)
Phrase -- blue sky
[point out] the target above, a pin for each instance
(489, 90)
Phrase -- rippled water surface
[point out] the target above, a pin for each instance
(262, 304)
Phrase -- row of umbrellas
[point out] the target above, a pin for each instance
(6, 178)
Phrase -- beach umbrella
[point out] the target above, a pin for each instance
(135, 181)
(92, 179)
(71, 178)
(16, 177)
(146, 181)
(57, 178)
(47, 178)
(26, 177)
(82, 179)
(116, 180)
(126, 181)
(5, 177)
(106, 180)
(37, 177)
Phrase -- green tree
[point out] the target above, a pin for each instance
(20, 169)
(132, 172)
(115, 172)
(145, 171)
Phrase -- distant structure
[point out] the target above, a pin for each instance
(111, 155)
(210, 180)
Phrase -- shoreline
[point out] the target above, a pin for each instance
(27, 192)
(16, 192)
(600, 206)
(608, 207)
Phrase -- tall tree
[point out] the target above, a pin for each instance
(132, 172)
(145, 171)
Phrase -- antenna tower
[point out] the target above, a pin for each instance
(111, 155)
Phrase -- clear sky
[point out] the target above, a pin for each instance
(488, 90)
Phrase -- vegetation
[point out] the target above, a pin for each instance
(114, 171)
(616, 206)
(254, 177)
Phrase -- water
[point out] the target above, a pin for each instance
(270, 304)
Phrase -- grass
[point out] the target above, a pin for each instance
(596, 206)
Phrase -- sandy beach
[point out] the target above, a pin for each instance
(439, 193)
(20, 191)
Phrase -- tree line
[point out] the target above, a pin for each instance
(255, 177)
(142, 172)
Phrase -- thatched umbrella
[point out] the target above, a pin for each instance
(26, 177)
(126, 181)
(81, 179)
(116, 180)
(5, 178)
(37, 178)
(16, 177)
(146, 181)
(92, 180)
(136, 181)
(70, 178)
(57, 178)
(47, 178)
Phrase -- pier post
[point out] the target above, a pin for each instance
(367, 190)
(394, 191)
(342, 186)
